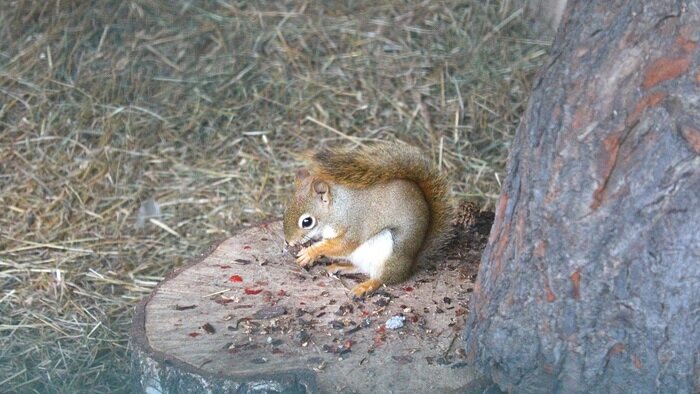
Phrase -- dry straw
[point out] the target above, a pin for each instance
(134, 133)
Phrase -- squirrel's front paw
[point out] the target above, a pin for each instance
(306, 256)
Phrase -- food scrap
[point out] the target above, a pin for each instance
(184, 307)
(395, 322)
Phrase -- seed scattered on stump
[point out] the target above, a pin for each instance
(184, 307)
(208, 328)
(269, 312)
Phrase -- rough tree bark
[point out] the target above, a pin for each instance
(591, 277)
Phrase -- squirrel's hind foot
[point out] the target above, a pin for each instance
(366, 287)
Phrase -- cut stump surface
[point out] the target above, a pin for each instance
(246, 318)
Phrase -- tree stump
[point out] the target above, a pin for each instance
(246, 318)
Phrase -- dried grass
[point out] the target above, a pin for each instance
(202, 107)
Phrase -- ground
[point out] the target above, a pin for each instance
(135, 134)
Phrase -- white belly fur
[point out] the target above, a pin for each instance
(370, 257)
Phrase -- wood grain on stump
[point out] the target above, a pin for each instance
(246, 318)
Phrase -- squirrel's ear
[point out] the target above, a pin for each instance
(301, 174)
(322, 190)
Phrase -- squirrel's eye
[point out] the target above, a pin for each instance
(306, 221)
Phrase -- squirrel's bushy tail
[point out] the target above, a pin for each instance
(375, 164)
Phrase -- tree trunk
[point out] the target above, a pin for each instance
(591, 277)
